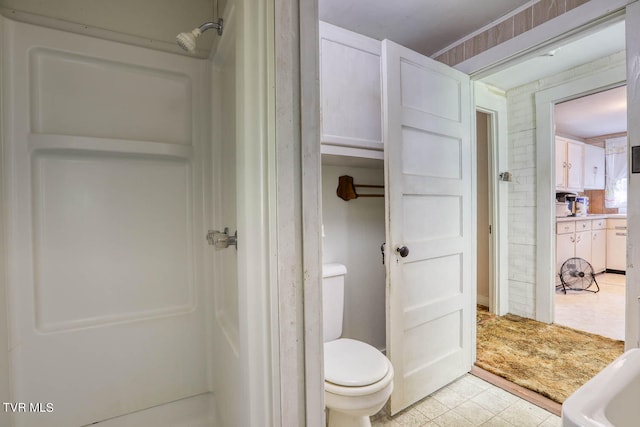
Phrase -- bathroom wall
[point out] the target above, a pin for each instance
(103, 164)
(5, 395)
(353, 233)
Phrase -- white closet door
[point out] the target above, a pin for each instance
(428, 169)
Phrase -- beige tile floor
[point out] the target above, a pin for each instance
(601, 313)
(471, 401)
(468, 402)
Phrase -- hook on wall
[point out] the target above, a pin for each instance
(506, 176)
(347, 189)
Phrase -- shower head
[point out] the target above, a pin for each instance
(187, 40)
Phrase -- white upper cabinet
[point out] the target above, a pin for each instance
(569, 165)
(351, 93)
(593, 167)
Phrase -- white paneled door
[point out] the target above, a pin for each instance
(430, 311)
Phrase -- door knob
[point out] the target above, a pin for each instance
(403, 251)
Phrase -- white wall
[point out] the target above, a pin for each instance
(117, 133)
(4, 332)
(354, 231)
(632, 329)
(224, 325)
(522, 192)
(129, 21)
(483, 219)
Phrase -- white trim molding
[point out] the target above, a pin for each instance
(544, 36)
(545, 177)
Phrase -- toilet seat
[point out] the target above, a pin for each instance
(351, 363)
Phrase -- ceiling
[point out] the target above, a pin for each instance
(603, 113)
(426, 26)
(586, 117)
(604, 41)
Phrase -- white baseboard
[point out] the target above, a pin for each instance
(482, 300)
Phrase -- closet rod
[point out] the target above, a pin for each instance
(347, 189)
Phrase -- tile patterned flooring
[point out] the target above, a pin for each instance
(470, 401)
(599, 313)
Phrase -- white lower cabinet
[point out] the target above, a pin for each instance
(617, 244)
(565, 244)
(583, 245)
(582, 238)
(599, 250)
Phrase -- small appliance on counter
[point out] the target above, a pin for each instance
(565, 203)
(581, 206)
(562, 209)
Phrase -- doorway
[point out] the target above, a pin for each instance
(532, 175)
(595, 126)
(484, 271)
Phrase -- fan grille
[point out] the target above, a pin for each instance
(577, 274)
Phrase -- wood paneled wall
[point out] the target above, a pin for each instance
(510, 27)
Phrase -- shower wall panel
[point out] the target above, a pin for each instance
(104, 174)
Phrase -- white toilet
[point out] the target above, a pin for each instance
(358, 378)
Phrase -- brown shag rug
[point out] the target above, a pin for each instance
(551, 360)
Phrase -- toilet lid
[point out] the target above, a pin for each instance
(353, 363)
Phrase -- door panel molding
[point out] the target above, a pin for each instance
(429, 208)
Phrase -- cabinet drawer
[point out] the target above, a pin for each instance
(565, 227)
(599, 224)
(583, 225)
(616, 224)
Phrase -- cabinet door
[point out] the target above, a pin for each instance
(616, 249)
(599, 224)
(575, 166)
(565, 244)
(561, 164)
(598, 250)
(583, 245)
(593, 167)
(350, 89)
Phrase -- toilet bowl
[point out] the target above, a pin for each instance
(358, 377)
(358, 382)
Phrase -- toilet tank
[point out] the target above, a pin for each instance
(332, 300)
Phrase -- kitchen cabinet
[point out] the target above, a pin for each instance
(581, 238)
(351, 93)
(617, 244)
(565, 244)
(599, 245)
(593, 167)
(569, 165)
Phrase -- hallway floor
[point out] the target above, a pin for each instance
(467, 402)
(599, 313)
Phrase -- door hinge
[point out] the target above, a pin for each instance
(222, 239)
(489, 228)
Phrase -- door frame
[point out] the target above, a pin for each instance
(477, 67)
(632, 309)
(4, 326)
(546, 180)
(493, 102)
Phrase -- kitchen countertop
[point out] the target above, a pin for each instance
(590, 216)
